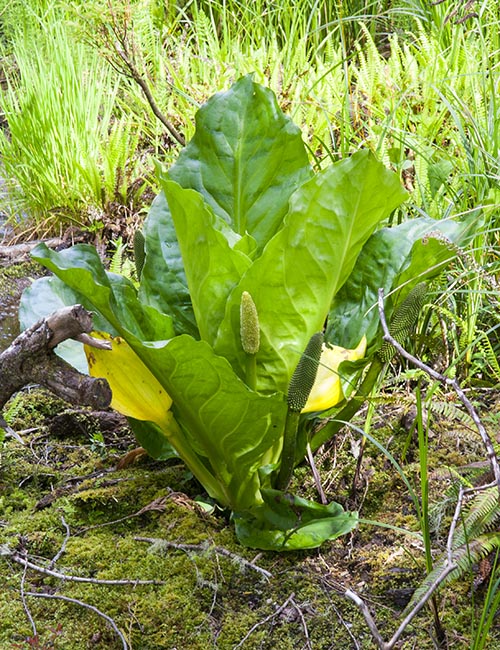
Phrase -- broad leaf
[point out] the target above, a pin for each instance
(246, 159)
(113, 296)
(153, 439)
(234, 428)
(163, 280)
(212, 266)
(299, 272)
(392, 258)
(289, 523)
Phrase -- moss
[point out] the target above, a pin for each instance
(205, 600)
(10, 275)
(31, 408)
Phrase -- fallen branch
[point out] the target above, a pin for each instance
(31, 359)
(163, 544)
(450, 565)
(447, 381)
(280, 609)
(23, 561)
(20, 252)
(121, 53)
(67, 599)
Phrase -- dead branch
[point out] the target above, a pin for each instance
(31, 359)
(121, 53)
(67, 599)
(163, 544)
(21, 252)
(389, 645)
(280, 609)
(450, 565)
(446, 381)
(23, 561)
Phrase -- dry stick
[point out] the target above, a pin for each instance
(264, 621)
(87, 606)
(63, 545)
(453, 525)
(347, 627)
(201, 548)
(450, 565)
(303, 622)
(17, 557)
(25, 604)
(437, 376)
(317, 478)
(119, 41)
(404, 624)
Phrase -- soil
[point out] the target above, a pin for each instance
(13, 280)
(65, 505)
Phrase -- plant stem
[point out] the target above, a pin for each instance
(251, 371)
(288, 453)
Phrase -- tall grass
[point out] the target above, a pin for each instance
(65, 156)
(407, 79)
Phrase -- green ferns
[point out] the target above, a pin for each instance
(474, 539)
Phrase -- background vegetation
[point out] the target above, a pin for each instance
(416, 82)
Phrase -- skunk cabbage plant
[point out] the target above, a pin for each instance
(220, 354)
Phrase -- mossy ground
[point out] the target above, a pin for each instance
(64, 490)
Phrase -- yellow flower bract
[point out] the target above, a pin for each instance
(327, 389)
(136, 391)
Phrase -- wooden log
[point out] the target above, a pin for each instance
(31, 359)
(20, 252)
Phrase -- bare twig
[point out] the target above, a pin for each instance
(383, 645)
(25, 604)
(453, 525)
(303, 623)
(264, 621)
(17, 557)
(63, 545)
(447, 381)
(450, 565)
(317, 478)
(87, 606)
(121, 54)
(157, 505)
(203, 548)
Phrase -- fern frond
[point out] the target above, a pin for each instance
(116, 263)
(451, 411)
(486, 349)
(464, 556)
(482, 514)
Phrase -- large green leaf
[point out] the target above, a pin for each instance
(392, 258)
(246, 159)
(233, 427)
(299, 272)
(289, 523)
(163, 279)
(213, 267)
(112, 295)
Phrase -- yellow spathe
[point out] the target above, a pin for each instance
(327, 389)
(136, 391)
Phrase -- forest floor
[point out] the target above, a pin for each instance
(69, 508)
